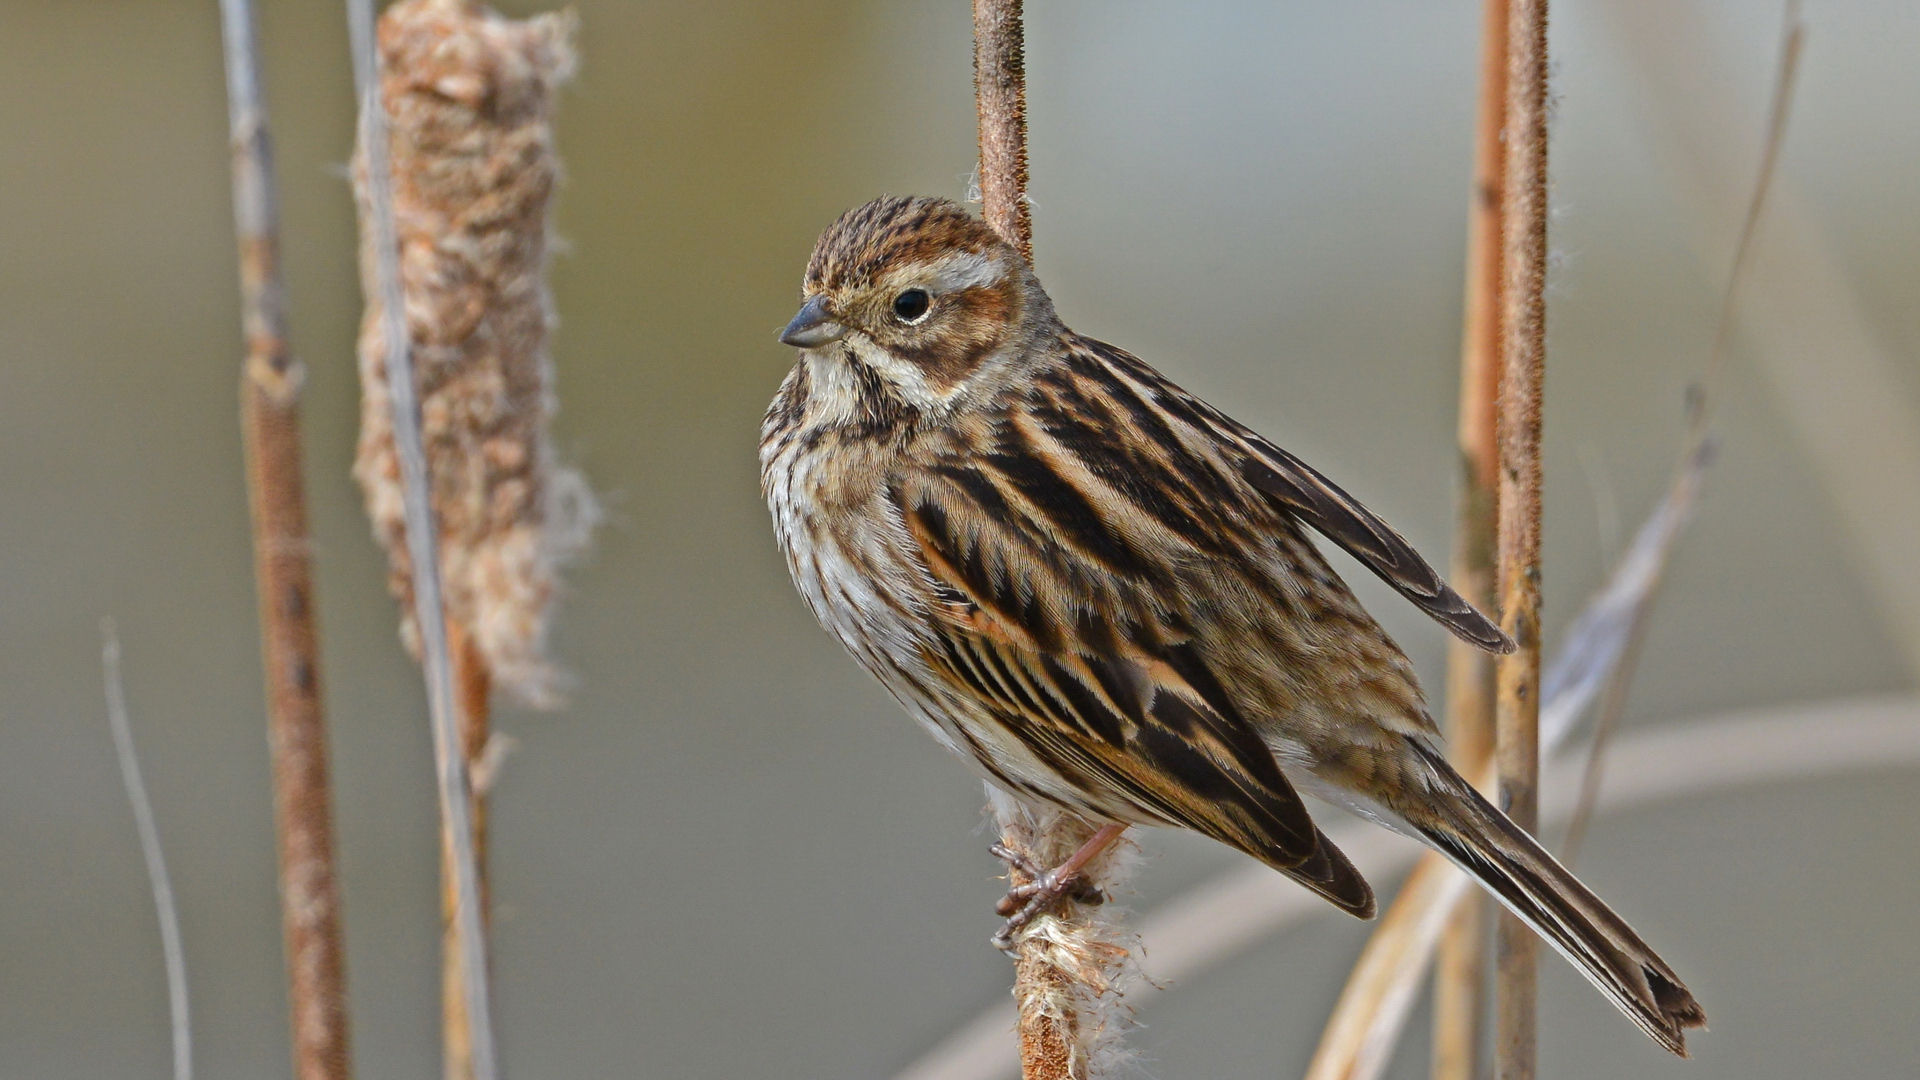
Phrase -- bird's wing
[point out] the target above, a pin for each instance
(1312, 498)
(1073, 660)
(1336, 515)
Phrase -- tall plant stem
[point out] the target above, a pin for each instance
(473, 690)
(1049, 1038)
(283, 572)
(1000, 90)
(1055, 974)
(450, 764)
(1523, 366)
(1460, 976)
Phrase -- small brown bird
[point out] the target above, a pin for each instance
(1097, 587)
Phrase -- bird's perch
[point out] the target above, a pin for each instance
(1000, 90)
(1523, 366)
(270, 381)
(1069, 960)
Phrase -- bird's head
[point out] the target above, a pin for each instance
(923, 295)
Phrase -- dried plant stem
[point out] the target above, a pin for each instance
(1000, 90)
(1069, 962)
(473, 686)
(270, 417)
(173, 952)
(1064, 961)
(422, 548)
(1460, 976)
(1523, 366)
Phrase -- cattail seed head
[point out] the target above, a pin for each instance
(470, 97)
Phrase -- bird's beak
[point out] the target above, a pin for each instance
(812, 327)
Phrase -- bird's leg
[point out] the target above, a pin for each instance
(1044, 887)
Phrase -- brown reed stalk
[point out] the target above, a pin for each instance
(1460, 977)
(470, 98)
(1358, 1036)
(1068, 961)
(1523, 367)
(270, 381)
(1000, 91)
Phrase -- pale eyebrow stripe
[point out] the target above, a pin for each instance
(966, 270)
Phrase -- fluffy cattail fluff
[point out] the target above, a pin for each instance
(470, 99)
(1069, 962)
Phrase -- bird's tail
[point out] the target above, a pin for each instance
(1546, 896)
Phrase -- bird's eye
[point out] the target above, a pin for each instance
(911, 306)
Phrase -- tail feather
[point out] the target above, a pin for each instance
(1329, 873)
(1547, 897)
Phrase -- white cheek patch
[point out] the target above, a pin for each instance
(905, 375)
(836, 396)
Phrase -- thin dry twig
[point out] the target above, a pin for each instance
(1700, 427)
(429, 612)
(1523, 367)
(283, 573)
(150, 852)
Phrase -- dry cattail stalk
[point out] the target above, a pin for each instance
(1070, 961)
(469, 99)
(283, 573)
(1000, 93)
(1523, 366)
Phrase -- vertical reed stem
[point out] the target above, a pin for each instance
(1053, 1044)
(473, 688)
(290, 646)
(1460, 971)
(1048, 1037)
(1000, 89)
(1523, 364)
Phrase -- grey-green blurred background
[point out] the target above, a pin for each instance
(730, 857)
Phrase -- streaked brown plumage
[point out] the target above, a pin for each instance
(1097, 587)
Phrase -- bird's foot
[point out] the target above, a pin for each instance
(1044, 888)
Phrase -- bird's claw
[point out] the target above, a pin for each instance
(1023, 903)
(1019, 862)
